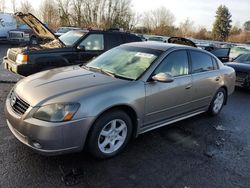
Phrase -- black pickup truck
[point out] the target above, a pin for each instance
(72, 48)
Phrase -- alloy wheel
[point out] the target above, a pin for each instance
(218, 102)
(112, 136)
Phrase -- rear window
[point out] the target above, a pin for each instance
(201, 62)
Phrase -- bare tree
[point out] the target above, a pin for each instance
(13, 4)
(186, 28)
(50, 13)
(26, 7)
(116, 13)
(158, 21)
(91, 12)
(77, 12)
(2, 5)
(64, 11)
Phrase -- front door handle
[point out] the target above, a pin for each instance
(188, 86)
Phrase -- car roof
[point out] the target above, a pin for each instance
(157, 45)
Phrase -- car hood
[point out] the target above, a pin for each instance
(67, 83)
(242, 67)
(180, 40)
(37, 26)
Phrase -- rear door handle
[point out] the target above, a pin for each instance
(188, 86)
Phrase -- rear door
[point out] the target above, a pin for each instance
(205, 78)
(131, 38)
(112, 40)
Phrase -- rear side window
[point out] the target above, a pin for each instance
(113, 40)
(201, 62)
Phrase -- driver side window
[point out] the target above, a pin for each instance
(93, 42)
(175, 64)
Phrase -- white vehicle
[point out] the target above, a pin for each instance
(7, 23)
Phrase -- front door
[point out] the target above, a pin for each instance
(168, 100)
(91, 46)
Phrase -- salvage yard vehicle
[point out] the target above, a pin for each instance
(180, 40)
(221, 53)
(23, 34)
(7, 23)
(127, 91)
(241, 65)
(73, 48)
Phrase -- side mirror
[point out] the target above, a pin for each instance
(81, 48)
(163, 77)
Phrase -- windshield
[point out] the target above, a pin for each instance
(125, 62)
(63, 30)
(71, 37)
(244, 58)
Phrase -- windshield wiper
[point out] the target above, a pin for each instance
(96, 69)
(109, 73)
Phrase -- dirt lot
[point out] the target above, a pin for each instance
(198, 152)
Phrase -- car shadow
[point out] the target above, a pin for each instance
(185, 139)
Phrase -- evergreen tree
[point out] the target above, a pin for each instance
(247, 26)
(222, 24)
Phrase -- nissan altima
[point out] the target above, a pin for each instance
(127, 91)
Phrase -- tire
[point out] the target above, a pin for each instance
(218, 102)
(110, 134)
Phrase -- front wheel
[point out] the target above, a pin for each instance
(110, 134)
(217, 102)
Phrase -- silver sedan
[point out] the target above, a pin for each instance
(127, 91)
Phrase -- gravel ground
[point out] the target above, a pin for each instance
(198, 152)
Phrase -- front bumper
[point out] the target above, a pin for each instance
(45, 137)
(17, 40)
(243, 81)
(22, 69)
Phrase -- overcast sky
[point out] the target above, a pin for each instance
(200, 11)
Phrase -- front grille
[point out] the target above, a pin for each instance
(15, 35)
(18, 105)
(12, 55)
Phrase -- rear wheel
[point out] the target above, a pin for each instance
(110, 134)
(217, 102)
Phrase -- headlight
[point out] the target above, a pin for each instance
(56, 112)
(8, 51)
(22, 59)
